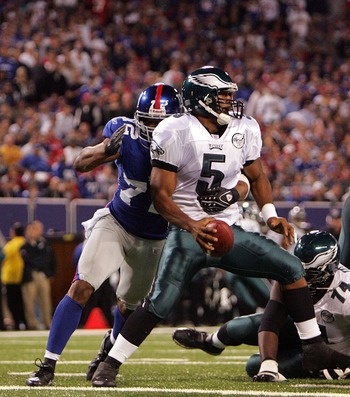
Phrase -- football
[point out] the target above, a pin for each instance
(225, 237)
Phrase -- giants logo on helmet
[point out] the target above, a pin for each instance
(158, 109)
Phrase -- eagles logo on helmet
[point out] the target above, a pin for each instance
(320, 255)
(201, 93)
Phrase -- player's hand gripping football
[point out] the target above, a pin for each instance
(204, 236)
(113, 145)
(217, 199)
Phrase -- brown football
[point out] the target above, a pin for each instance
(225, 237)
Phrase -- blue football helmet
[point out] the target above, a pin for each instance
(319, 253)
(155, 103)
(201, 90)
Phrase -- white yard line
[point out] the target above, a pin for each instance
(144, 390)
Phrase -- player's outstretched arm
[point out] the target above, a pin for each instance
(93, 156)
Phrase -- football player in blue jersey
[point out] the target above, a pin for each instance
(328, 281)
(127, 235)
(197, 159)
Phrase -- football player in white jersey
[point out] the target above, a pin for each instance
(127, 235)
(197, 159)
(329, 284)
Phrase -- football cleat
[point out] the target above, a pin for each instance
(317, 356)
(346, 374)
(43, 377)
(106, 346)
(104, 376)
(269, 376)
(331, 374)
(190, 338)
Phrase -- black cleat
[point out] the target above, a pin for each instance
(106, 346)
(318, 356)
(331, 374)
(190, 338)
(105, 376)
(43, 377)
(269, 376)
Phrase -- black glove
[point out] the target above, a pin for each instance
(115, 141)
(217, 199)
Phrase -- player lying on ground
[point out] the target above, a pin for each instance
(328, 282)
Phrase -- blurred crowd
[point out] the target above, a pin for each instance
(67, 66)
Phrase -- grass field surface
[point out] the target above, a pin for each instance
(158, 368)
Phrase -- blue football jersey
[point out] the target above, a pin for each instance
(132, 204)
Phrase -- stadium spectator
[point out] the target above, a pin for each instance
(10, 151)
(64, 120)
(11, 184)
(81, 60)
(71, 148)
(29, 57)
(334, 222)
(12, 274)
(23, 86)
(55, 188)
(62, 170)
(308, 72)
(40, 265)
(35, 165)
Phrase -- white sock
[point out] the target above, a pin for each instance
(122, 349)
(308, 329)
(215, 341)
(269, 365)
(51, 356)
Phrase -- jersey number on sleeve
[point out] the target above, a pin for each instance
(344, 287)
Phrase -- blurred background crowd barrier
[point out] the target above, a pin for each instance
(61, 216)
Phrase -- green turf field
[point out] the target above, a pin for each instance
(158, 368)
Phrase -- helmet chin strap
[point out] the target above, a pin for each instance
(222, 118)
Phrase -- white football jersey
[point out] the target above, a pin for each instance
(333, 311)
(203, 160)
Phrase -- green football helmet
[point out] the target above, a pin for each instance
(200, 92)
(319, 253)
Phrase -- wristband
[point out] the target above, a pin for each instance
(235, 195)
(244, 179)
(268, 211)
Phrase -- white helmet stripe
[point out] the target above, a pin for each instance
(213, 81)
(324, 258)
